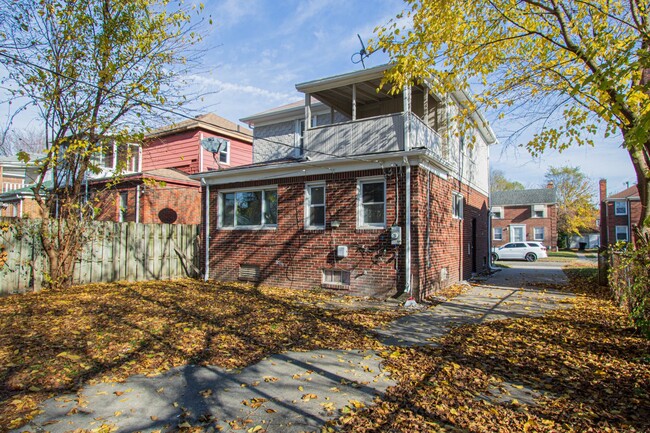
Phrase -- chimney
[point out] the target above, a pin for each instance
(602, 184)
(550, 184)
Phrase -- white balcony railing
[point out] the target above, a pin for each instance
(8, 186)
(371, 135)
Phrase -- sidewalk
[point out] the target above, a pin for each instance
(293, 391)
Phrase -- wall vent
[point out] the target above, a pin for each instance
(249, 272)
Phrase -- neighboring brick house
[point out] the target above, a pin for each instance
(155, 187)
(619, 214)
(16, 195)
(375, 195)
(524, 215)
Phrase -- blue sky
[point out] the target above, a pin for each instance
(259, 49)
(263, 48)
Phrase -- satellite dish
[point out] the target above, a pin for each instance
(214, 144)
(361, 55)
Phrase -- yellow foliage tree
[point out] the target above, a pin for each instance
(579, 65)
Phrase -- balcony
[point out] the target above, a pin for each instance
(8, 187)
(372, 135)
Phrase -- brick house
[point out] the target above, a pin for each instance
(155, 187)
(374, 195)
(619, 214)
(524, 215)
(16, 196)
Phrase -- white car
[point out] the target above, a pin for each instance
(529, 251)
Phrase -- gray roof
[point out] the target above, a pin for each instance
(523, 197)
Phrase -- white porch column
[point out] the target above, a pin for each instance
(354, 102)
(407, 116)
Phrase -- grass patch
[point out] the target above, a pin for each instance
(56, 341)
(588, 368)
(563, 254)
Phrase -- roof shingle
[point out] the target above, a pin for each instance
(523, 197)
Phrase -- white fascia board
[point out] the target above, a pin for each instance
(343, 79)
(310, 168)
(286, 114)
(481, 122)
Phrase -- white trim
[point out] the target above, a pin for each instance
(200, 152)
(535, 238)
(616, 231)
(261, 226)
(494, 237)
(361, 181)
(228, 151)
(307, 204)
(501, 210)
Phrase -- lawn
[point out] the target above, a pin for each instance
(56, 341)
(589, 371)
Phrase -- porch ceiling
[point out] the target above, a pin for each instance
(340, 98)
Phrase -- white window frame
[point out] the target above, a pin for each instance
(624, 209)
(360, 214)
(621, 229)
(498, 209)
(226, 153)
(261, 226)
(457, 202)
(308, 187)
(535, 238)
(494, 233)
(132, 154)
(123, 207)
(537, 208)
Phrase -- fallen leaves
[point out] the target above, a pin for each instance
(576, 369)
(54, 341)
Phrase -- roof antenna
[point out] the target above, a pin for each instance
(361, 55)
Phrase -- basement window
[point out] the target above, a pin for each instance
(335, 278)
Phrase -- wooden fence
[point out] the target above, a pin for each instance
(114, 252)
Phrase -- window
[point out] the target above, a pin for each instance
(621, 233)
(538, 234)
(299, 141)
(335, 278)
(104, 157)
(497, 233)
(539, 211)
(249, 272)
(133, 158)
(371, 203)
(457, 205)
(224, 151)
(124, 204)
(315, 206)
(620, 208)
(249, 209)
(497, 212)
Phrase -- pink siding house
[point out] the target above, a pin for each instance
(169, 155)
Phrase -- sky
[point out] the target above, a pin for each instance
(258, 50)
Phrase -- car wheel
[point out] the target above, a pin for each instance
(495, 257)
(531, 257)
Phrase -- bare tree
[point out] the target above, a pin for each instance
(96, 71)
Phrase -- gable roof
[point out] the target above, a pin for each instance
(629, 193)
(210, 122)
(523, 197)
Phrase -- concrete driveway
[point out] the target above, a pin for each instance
(293, 391)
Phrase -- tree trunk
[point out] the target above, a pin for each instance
(641, 161)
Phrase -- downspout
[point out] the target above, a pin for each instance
(137, 204)
(407, 196)
(207, 230)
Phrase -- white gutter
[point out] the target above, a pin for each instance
(207, 230)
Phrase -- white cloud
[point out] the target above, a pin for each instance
(259, 92)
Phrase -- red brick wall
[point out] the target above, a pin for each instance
(522, 215)
(609, 220)
(178, 201)
(452, 245)
(294, 257)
